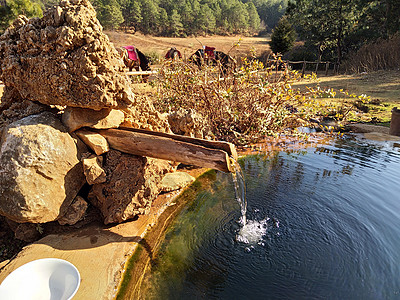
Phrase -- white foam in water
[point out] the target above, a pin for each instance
(252, 232)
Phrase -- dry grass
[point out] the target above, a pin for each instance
(189, 45)
(384, 54)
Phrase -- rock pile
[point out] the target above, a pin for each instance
(61, 73)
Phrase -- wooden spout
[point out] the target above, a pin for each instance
(193, 151)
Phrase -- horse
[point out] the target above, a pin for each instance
(134, 59)
(208, 55)
(173, 54)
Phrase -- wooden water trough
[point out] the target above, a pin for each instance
(193, 151)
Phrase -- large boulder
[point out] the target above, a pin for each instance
(131, 186)
(64, 59)
(40, 172)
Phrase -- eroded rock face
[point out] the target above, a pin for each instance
(40, 172)
(64, 59)
(131, 186)
(143, 115)
(64, 62)
(14, 108)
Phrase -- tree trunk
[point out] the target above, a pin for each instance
(339, 37)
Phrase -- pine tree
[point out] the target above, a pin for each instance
(150, 17)
(254, 19)
(324, 23)
(175, 24)
(283, 36)
(10, 9)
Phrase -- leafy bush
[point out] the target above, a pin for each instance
(153, 56)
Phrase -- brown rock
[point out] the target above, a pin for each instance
(27, 232)
(92, 167)
(94, 141)
(75, 212)
(143, 115)
(40, 172)
(64, 59)
(189, 123)
(75, 118)
(131, 186)
(13, 107)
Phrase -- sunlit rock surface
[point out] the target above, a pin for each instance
(131, 186)
(40, 172)
(64, 59)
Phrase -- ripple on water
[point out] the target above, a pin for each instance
(339, 212)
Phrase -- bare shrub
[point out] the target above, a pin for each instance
(245, 105)
(381, 55)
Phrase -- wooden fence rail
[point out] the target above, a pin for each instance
(305, 63)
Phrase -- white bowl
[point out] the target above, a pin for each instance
(47, 278)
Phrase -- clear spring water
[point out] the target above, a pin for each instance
(322, 223)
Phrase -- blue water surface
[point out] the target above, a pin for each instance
(331, 221)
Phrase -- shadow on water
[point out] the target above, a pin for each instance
(322, 223)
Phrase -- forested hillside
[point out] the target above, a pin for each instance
(186, 17)
(168, 17)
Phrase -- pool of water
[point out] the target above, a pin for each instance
(322, 223)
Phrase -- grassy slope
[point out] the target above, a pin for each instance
(383, 87)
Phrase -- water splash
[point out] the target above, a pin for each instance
(253, 232)
(240, 190)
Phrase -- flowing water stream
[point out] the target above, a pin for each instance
(251, 231)
(320, 223)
